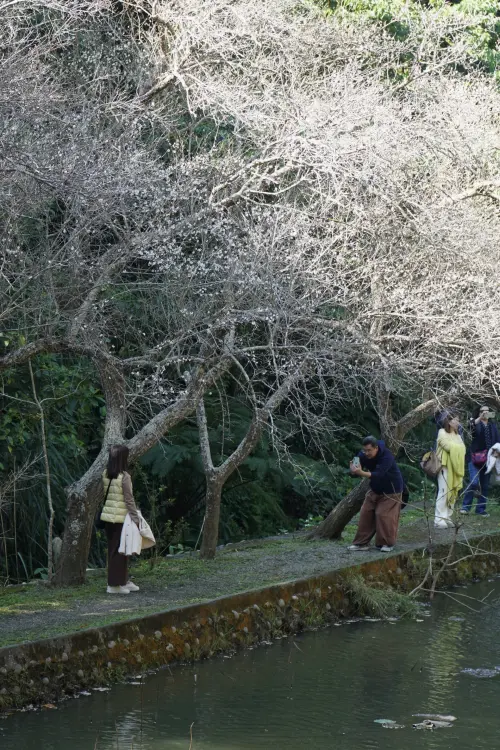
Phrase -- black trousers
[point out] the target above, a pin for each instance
(117, 564)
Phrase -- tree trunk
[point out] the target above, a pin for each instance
(212, 516)
(77, 535)
(336, 521)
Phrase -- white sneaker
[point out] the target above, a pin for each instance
(131, 586)
(386, 548)
(358, 548)
(117, 590)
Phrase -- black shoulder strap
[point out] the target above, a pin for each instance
(107, 491)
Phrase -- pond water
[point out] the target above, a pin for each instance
(324, 689)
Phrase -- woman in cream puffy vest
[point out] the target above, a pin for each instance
(119, 500)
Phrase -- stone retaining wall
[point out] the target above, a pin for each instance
(48, 670)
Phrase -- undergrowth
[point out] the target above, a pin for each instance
(380, 600)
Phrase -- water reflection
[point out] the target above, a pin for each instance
(443, 662)
(323, 689)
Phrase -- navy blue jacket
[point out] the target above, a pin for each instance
(484, 436)
(385, 477)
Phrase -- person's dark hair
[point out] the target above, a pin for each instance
(477, 410)
(446, 421)
(117, 461)
(443, 416)
(370, 440)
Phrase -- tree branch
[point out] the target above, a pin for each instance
(415, 417)
(206, 453)
(259, 421)
(47, 345)
(185, 404)
(94, 292)
(484, 188)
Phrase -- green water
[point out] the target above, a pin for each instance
(319, 690)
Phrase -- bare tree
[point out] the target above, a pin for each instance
(98, 259)
(217, 476)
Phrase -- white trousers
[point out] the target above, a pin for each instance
(444, 513)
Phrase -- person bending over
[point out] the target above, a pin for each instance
(379, 515)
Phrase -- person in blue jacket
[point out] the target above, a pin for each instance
(379, 515)
(484, 434)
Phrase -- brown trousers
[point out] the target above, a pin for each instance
(379, 516)
(117, 564)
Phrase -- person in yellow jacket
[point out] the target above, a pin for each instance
(119, 500)
(451, 453)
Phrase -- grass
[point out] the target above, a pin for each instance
(42, 611)
(379, 601)
(39, 596)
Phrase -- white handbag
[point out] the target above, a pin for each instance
(148, 539)
(135, 538)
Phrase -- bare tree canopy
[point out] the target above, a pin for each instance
(190, 187)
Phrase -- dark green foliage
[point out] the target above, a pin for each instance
(472, 24)
(74, 410)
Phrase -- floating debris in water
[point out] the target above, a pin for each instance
(393, 726)
(388, 724)
(438, 717)
(457, 619)
(482, 673)
(428, 724)
(101, 689)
